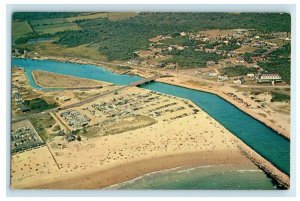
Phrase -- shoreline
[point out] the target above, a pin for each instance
(114, 175)
(205, 89)
(266, 166)
(224, 97)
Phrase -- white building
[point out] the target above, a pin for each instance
(251, 75)
(268, 77)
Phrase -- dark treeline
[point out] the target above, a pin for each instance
(23, 16)
(191, 58)
(120, 39)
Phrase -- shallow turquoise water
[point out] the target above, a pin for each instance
(84, 71)
(261, 138)
(225, 177)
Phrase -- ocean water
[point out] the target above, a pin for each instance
(255, 134)
(221, 177)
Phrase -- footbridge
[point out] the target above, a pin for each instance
(143, 81)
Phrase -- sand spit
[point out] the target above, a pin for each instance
(54, 80)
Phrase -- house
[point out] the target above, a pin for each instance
(210, 63)
(182, 34)
(239, 81)
(64, 98)
(256, 58)
(231, 54)
(70, 138)
(222, 78)
(268, 77)
(180, 48)
(212, 74)
(219, 52)
(208, 50)
(239, 60)
(251, 75)
(60, 133)
(256, 67)
(134, 62)
(160, 65)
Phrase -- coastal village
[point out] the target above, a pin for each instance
(238, 48)
(69, 125)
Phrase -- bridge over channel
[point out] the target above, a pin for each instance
(133, 84)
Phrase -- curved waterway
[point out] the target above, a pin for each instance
(255, 134)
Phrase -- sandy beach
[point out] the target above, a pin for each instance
(193, 140)
(98, 162)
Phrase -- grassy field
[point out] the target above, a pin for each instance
(86, 16)
(245, 49)
(83, 16)
(82, 51)
(36, 23)
(236, 70)
(278, 41)
(53, 28)
(62, 24)
(120, 16)
(20, 29)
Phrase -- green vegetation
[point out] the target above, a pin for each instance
(56, 128)
(260, 51)
(236, 70)
(247, 57)
(20, 29)
(53, 28)
(23, 16)
(41, 123)
(211, 45)
(279, 62)
(32, 35)
(279, 97)
(191, 58)
(120, 39)
(232, 45)
(38, 105)
(116, 36)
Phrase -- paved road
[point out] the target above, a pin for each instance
(75, 88)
